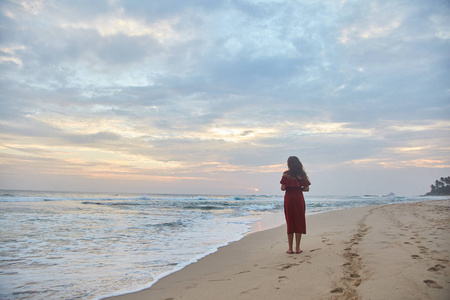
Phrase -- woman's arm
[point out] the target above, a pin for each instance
(283, 187)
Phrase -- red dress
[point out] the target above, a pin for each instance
(294, 204)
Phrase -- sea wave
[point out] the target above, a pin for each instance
(145, 236)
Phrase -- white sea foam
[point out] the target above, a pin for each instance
(75, 245)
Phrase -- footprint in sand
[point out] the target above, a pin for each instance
(328, 244)
(432, 284)
(192, 286)
(416, 256)
(337, 290)
(436, 268)
(423, 249)
(281, 278)
(248, 291)
(287, 266)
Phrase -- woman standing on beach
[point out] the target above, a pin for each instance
(294, 182)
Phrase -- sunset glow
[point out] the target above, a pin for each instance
(142, 96)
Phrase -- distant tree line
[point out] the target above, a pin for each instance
(440, 187)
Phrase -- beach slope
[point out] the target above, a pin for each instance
(399, 251)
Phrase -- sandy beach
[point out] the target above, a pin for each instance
(399, 251)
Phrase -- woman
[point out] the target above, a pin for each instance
(294, 182)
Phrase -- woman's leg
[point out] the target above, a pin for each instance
(298, 238)
(290, 242)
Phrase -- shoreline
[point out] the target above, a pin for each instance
(375, 252)
(268, 221)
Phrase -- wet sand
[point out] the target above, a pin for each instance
(399, 251)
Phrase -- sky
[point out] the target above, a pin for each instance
(212, 97)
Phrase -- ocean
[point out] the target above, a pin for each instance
(62, 245)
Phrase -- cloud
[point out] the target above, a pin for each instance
(223, 90)
(8, 54)
(110, 26)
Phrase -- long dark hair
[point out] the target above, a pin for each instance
(296, 167)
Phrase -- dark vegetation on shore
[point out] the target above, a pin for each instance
(441, 187)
